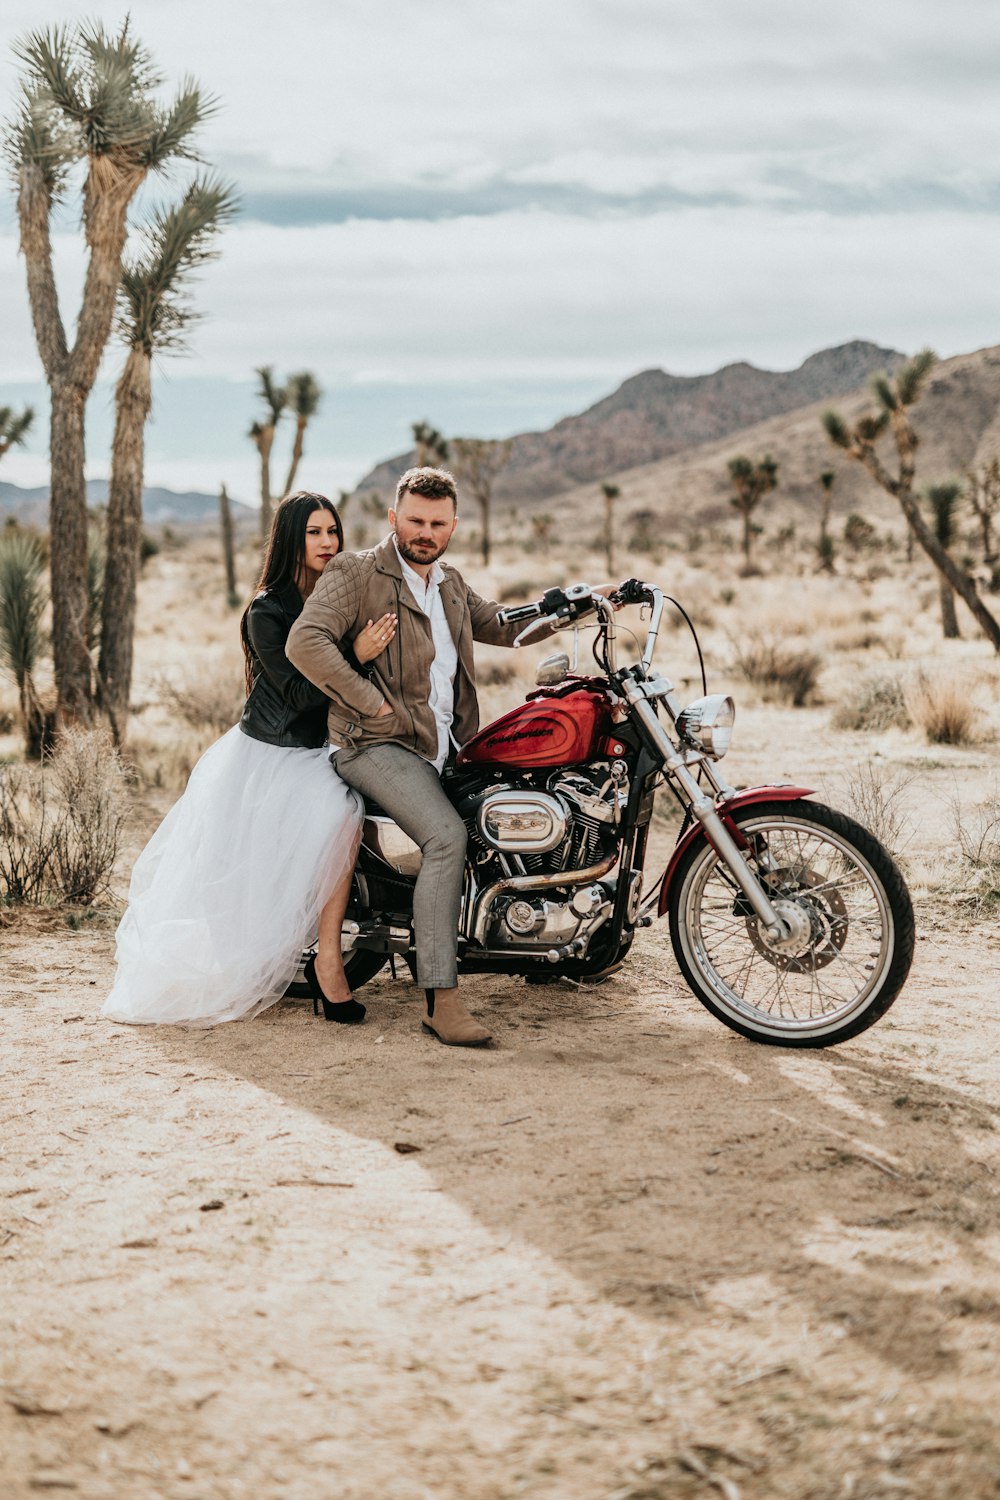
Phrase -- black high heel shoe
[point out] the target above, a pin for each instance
(347, 1012)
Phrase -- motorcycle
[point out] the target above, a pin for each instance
(788, 920)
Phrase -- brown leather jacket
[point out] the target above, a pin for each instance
(361, 586)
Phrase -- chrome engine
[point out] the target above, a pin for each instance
(543, 857)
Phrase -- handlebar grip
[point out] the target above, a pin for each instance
(519, 612)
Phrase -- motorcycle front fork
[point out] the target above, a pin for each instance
(703, 808)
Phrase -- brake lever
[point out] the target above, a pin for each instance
(528, 629)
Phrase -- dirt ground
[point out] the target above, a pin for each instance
(622, 1255)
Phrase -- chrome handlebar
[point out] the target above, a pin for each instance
(560, 607)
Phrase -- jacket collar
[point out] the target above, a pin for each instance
(387, 561)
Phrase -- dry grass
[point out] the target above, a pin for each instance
(61, 823)
(783, 673)
(202, 698)
(976, 832)
(941, 705)
(875, 704)
(878, 797)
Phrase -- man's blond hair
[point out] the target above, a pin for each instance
(432, 484)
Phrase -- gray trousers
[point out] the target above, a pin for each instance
(409, 789)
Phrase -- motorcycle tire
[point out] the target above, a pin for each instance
(855, 928)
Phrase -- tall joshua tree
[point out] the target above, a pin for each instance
(430, 447)
(13, 428)
(275, 399)
(610, 493)
(478, 461)
(895, 395)
(825, 545)
(983, 490)
(153, 315)
(302, 395)
(943, 501)
(22, 605)
(751, 481)
(87, 98)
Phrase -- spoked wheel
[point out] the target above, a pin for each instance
(851, 921)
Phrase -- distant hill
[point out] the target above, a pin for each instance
(957, 421)
(159, 506)
(654, 415)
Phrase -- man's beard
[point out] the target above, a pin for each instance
(420, 555)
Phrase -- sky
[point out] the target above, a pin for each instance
(489, 214)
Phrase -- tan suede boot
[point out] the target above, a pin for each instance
(448, 1020)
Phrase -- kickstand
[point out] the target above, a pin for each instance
(392, 965)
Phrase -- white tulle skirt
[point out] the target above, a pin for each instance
(229, 889)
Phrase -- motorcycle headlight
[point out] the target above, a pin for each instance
(708, 723)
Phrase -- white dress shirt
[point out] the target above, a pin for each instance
(441, 698)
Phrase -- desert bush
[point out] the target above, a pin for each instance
(941, 706)
(520, 590)
(210, 700)
(90, 792)
(976, 833)
(877, 797)
(784, 674)
(495, 673)
(61, 823)
(877, 703)
(859, 534)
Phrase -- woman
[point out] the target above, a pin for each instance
(256, 857)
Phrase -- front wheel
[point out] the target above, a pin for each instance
(850, 914)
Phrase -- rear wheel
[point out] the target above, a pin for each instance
(850, 914)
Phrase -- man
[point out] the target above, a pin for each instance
(393, 731)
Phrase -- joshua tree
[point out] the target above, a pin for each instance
(228, 550)
(14, 428)
(262, 433)
(895, 395)
(88, 98)
(22, 604)
(983, 490)
(302, 396)
(825, 546)
(751, 481)
(478, 461)
(610, 493)
(153, 315)
(429, 446)
(943, 499)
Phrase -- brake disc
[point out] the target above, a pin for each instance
(826, 910)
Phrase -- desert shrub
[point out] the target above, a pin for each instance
(877, 797)
(61, 823)
(520, 590)
(942, 708)
(784, 674)
(149, 547)
(211, 700)
(976, 833)
(876, 703)
(495, 673)
(646, 533)
(859, 534)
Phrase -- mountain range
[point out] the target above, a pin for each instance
(654, 415)
(159, 506)
(666, 440)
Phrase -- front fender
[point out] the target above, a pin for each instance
(725, 809)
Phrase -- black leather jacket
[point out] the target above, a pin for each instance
(283, 707)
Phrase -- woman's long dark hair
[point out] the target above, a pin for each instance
(286, 550)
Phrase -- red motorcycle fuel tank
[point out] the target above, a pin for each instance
(546, 731)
